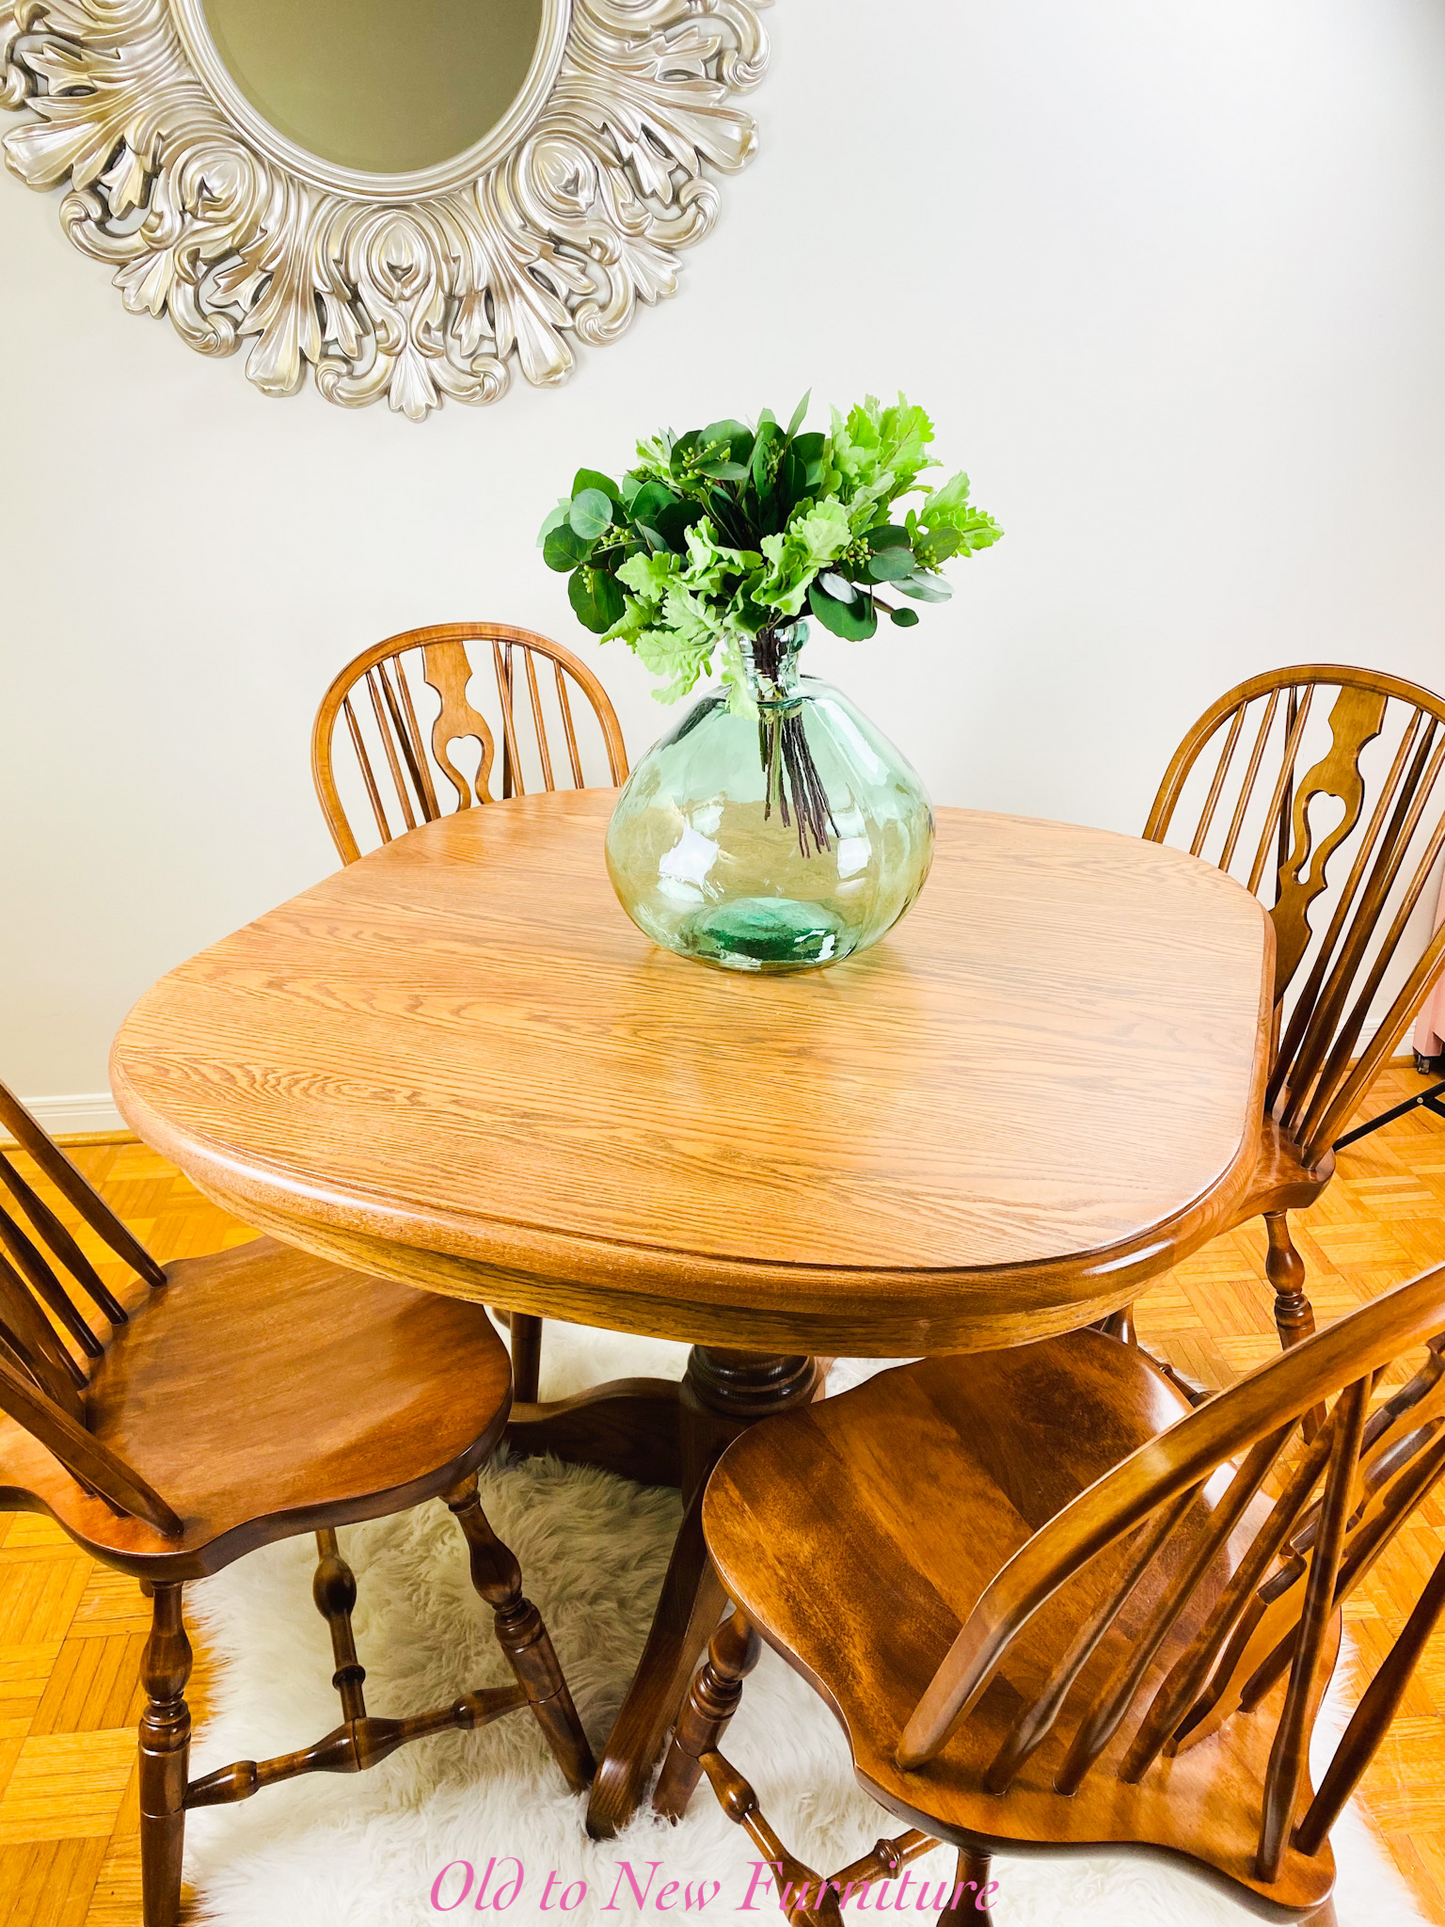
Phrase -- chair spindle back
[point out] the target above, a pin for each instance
(46, 1342)
(1297, 748)
(1341, 1497)
(405, 706)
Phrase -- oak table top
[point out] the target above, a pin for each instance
(458, 1062)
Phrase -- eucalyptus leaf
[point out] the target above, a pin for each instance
(730, 432)
(888, 535)
(649, 502)
(685, 446)
(856, 621)
(724, 471)
(812, 452)
(940, 544)
(563, 548)
(903, 618)
(924, 588)
(554, 521)
(590, 514)
(597, 599)
(589, 478)
(800, 414)
(890, 565)
(838, 587)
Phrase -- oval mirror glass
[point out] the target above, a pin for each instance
(372, 85)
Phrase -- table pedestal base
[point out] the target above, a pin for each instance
(662, 1433)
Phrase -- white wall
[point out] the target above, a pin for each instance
(1169, 273)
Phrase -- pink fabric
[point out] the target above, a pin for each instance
(1430, 1030)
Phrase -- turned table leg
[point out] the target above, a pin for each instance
(526, 1356)
(722, 1394)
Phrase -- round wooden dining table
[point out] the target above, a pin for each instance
(457, 1063)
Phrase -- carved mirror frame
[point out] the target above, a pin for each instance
(415, 287)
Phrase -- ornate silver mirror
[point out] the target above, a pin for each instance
(405, 198)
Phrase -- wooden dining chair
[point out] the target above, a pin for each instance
(404, 708)
(1318, 787)
(1054, 1607)
(227, 1402)
(408, 706)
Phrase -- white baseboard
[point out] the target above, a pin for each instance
(74, 1115)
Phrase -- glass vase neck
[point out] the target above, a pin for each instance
(770, 663)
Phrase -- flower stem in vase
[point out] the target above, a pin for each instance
(787, 758)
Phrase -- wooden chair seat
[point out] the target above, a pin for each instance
(355, 1397)
(858, 1534)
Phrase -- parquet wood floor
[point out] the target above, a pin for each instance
(71, 1633)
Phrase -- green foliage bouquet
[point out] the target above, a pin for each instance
(719, 540)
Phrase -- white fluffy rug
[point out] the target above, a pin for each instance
(366, 1851)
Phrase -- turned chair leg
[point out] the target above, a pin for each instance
(165, 1740)
(1294, 1315)
(970, 1884)
(1326, 1917)
(711, 1702)
(334, 1590)
(523, 1638)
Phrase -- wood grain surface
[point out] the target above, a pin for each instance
(457, 1062)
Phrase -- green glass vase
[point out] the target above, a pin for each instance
(777, 841)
